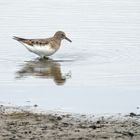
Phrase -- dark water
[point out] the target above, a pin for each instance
(99, 72)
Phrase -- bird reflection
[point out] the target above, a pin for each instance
(43, 68)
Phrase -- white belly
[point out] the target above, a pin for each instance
(41, 50)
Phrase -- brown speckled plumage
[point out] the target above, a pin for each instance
(52, 42)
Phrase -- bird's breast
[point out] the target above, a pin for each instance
(45, 50)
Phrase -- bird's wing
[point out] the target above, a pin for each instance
(32, 42)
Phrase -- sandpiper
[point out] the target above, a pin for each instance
(44, 47)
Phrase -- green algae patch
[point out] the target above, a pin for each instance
(20, 115)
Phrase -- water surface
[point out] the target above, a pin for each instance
(99, 72)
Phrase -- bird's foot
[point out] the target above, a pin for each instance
(43, 58)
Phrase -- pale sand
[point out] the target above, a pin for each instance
(20, 124)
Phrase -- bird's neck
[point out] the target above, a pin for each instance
(57, 40)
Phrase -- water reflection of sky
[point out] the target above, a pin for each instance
(102, 73)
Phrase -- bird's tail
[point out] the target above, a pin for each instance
(18, 38)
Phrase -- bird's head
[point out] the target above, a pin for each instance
(61, 35)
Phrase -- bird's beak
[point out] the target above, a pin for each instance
(68, 39)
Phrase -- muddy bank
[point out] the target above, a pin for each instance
(20, 123)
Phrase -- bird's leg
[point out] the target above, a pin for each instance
(45, 57)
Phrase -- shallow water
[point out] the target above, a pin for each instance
(99, 72)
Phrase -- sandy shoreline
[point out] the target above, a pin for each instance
(19, 123)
